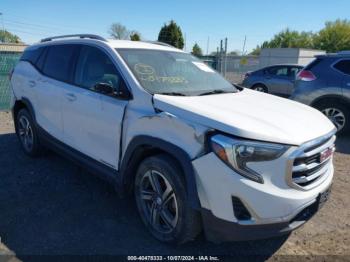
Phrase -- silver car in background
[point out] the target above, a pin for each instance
(276, 79)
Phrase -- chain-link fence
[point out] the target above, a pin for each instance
(232, 67)
(7, 61)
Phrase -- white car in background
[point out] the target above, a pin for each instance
(196, 151)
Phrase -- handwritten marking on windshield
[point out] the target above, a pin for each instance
(148, 73)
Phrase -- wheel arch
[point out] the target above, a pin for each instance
(260, 84)
(20, 104)
(142, 147)
(339, 98)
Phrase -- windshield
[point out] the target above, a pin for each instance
(174, 73)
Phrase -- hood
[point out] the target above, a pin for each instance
(250, 114)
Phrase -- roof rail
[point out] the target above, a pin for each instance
(97, 37)
(159, 43)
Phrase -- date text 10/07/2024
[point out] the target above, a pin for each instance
(173, 258)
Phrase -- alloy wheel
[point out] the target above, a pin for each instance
(260, 89)
(336, 116)
(25, 132)
(158, 201)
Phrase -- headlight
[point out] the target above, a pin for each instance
(237, 153)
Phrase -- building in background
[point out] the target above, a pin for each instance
(299, 56)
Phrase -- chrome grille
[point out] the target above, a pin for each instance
(308, 165)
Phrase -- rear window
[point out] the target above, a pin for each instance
(32, 55)
(58, 62)
(343, 66)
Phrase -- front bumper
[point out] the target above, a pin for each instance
(275, 207)
(218, 230)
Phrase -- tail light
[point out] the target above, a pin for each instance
(306, 75)
(10, 74)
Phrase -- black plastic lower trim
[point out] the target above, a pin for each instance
(107, 173)
(218, 230)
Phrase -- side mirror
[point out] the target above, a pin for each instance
(124, 92)
(107, 89)
(104, 88)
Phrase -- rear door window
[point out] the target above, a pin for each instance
(59, 62)
(343, 66)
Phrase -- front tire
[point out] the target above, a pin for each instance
(338, 113)
(27, 133)
(162, 202)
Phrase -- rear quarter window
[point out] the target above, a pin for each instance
(32, 55)
(343, 66)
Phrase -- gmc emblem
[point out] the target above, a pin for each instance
(326, 154)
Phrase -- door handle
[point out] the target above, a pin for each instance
(348, 84)
(32, 83)
(71, 97)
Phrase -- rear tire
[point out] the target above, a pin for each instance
(260, 88)
(162, 201)
(338, 113)
(27, 133)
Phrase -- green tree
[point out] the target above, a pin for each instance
(135, 36)
(334, 37)
(196, 50)
(7, 37)
(257, 50)
(172, 35)
(118, 31)
(287, 39)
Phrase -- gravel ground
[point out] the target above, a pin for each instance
(49, 206)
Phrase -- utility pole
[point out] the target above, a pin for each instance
(244, 43)
(221, 57)
(208, 46)
(225, 61)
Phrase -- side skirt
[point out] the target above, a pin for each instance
(101, 170)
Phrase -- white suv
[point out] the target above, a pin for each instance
(196, 151)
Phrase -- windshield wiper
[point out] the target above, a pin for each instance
(216, 91)
(172, 94)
